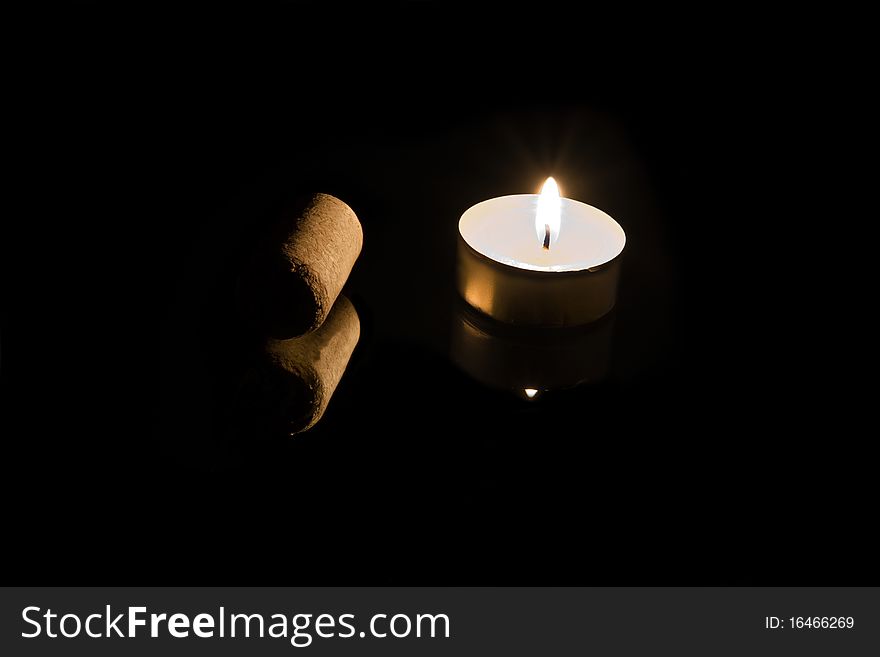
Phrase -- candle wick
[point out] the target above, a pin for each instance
(546, 237)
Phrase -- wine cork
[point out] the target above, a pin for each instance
(292, 386)
(299, 270)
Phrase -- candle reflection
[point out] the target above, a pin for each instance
(529, 361)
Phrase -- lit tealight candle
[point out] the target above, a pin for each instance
(539, 259)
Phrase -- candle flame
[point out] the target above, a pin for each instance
(548, 217)
(530, 392)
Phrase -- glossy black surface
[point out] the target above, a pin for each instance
(179, 139)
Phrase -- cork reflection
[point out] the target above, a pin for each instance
(290, 386)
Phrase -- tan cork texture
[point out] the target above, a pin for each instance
(321, 249)
(313, 365)
(299, 271)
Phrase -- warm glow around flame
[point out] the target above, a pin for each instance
(547, 218)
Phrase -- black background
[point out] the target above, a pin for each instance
(156, 143)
